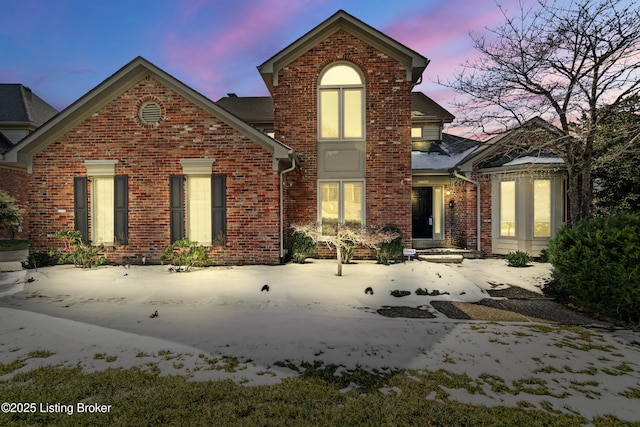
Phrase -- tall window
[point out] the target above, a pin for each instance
(103, 219)
(341, 202)
(341, 112)
(542, 208)
(508, 208)
(199, 209)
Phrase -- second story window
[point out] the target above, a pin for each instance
(341, 99)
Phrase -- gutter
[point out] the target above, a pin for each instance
(293, 166)
(478, 224)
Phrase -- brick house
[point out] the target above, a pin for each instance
(21, 113)
(143, 160)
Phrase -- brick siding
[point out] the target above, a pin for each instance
(387, 122)
(148, 155)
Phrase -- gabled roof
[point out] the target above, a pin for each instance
(116, 84)
(486, 156)
(341, 20)
(424, 108)
(19, 105)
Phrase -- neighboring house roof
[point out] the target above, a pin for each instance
(259, 109)
(445, 155)
(5, 144)
(18, 104)
(120, 81)
(424, 108)
(341, 20)
(489, 154)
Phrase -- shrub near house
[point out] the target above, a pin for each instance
(597, 262)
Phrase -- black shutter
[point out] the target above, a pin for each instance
(80, 207)
(218, 209)
(121, 225)
(176, 207)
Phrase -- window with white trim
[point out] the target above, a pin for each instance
(102, 212)
(542, 208)
(508, 208)
(341, 103)
(341, 202)
(199, 209)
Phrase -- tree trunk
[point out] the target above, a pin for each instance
(339, 259)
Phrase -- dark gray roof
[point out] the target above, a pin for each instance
(259, 109)
(443, 155)
(422, 105)
(252, 109)
(19, 104)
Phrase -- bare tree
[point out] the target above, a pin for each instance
(560, 63)
(346, 237)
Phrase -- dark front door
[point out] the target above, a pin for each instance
(422, 212)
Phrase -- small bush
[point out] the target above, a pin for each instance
(302, 247)
(13, 245)
(75, 251)
(184, 254)
(544, 255)
(597, 262)
(398, 293)
(518, 259)
(388, 251)
(40, 259)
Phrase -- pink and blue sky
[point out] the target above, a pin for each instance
(62, 49)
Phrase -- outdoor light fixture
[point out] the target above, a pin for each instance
(451, 203)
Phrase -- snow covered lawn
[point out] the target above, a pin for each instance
(216, 323)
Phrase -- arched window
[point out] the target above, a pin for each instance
(341, 99)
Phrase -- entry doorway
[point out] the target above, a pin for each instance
(422, 212)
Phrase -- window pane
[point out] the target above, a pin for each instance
(508, 208)
(353, 113)
(329, 206)
(541, 208)
(437, 211)
(103, 210)
(416, 132)
(329, 121)
(352, 202)
(341, 74)
(199, 209)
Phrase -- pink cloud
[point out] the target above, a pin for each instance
(216, 55)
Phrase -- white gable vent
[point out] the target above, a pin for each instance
(150, 113)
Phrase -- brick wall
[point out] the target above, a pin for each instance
(387, 121)
(148, 155)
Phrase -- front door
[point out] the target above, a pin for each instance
(422, 212)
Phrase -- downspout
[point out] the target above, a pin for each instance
(477, 184)
(293, 166)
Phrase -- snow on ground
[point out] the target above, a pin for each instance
(100, 318)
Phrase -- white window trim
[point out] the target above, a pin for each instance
(341, 199)
(101, 167)
(341, 89)
(197, 166)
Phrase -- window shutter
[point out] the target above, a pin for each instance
(176, 207)
(218, 209)
(80, 207)
(121, 215)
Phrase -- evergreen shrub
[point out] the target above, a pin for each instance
(302, 247)
(597, 262)
(518, 259)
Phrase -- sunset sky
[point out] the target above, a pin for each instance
(62, 49)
